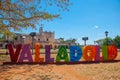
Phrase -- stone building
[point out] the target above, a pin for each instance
(43, 38)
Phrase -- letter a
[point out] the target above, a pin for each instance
(25, 54)
(62, 54)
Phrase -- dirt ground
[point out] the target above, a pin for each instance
(100, 71)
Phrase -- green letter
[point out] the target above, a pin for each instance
(105, 52)
(62, 54)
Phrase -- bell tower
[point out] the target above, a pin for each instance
(41, 30)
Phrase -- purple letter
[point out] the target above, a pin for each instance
(47, 56)
(25, 54)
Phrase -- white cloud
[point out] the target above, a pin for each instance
(96, 26)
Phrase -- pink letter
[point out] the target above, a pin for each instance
(97, 53)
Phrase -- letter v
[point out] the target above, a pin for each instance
(14, 55)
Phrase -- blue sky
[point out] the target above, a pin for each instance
(89, 18)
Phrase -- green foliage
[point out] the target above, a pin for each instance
(61, 40)
(105, 41)
(108, 41)
(117, 41)
(15, 37)
(19, 14)
(99, 42)
(71, 40)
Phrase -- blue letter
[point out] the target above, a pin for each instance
(75, 53)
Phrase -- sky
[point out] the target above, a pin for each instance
(86, 18)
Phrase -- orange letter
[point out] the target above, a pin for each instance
(37, 53)
(88, 53)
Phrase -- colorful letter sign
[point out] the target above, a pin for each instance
(112, 52)
(62, 54)
(75, 53)
(14, 55)
(97, 56)
(47, 56)
(89, 53)
(105, 52)
(25, 55)
(37, 53)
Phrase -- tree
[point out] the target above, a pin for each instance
(110, 41)
(61, 40)
(104, 41)
(74, 40)
(19, 14)
(99, 42)
(117, 41)
(70, 41)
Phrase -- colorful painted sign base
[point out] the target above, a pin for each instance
(60, 63)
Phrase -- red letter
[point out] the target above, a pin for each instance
(14, 55)
(112, 52)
